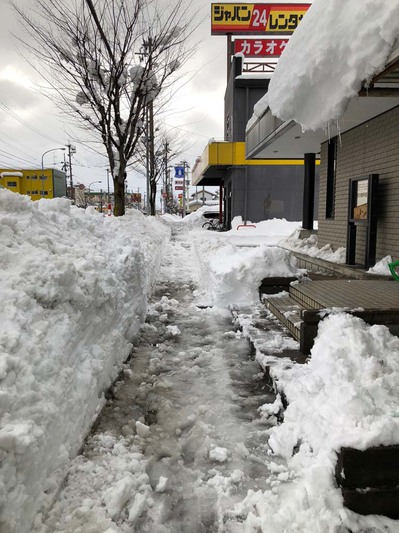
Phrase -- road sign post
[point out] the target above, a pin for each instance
(180, 172)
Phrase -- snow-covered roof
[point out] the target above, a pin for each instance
(338, 46)
(8, 174)
(255, 76)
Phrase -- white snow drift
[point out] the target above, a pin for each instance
(337, 46)
(73, 288)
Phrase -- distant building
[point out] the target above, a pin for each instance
(36, 183)
(257, 189)
(202, 197)
(359, 170)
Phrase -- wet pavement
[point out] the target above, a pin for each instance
(187, 404)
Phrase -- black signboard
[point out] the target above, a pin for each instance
(362, 211)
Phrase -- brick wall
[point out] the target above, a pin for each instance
(371, 148)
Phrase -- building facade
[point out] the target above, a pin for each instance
(256, 189)
(36, 183)
(370, 148)
(359, 152)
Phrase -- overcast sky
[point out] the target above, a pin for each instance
(31, 124)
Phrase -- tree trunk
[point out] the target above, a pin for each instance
(119, 198)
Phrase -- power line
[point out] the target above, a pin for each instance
(12, 156)
(42, 120)
(16, 117)
(186, 131)
(17, 149)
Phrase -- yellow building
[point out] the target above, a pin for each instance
(36, 183)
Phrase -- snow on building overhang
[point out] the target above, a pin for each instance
(340, 69)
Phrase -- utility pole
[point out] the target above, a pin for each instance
(108, 200)
(166, 175)
(152, 155)
(185, 165)
(149, 122)
(184, 191)
(71, 150)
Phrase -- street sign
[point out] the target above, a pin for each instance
(179, 182)
(179, 172)
(245, 18)
(179, 188)
(260, 47)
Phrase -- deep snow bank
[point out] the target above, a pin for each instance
(337, 46)
(231, 275)
(309, 246)
(74, 288)
(349, 386)
(346, 395)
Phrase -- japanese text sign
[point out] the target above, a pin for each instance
(361, 200)
(260, 47)
(256, 18)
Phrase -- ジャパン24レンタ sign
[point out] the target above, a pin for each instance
(270, 19)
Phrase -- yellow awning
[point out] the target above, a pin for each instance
(226, 154)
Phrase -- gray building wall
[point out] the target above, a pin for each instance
(240, 97)
(274, 191)
(371, 148)
(59, 183)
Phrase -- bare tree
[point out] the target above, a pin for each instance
(153, 157)
(105, 62)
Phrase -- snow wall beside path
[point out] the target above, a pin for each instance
(74, 288)
(231, 275)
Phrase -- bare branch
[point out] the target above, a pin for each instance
(105, 61)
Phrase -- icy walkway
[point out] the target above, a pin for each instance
(180, 440)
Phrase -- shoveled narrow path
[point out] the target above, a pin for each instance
(180, 440)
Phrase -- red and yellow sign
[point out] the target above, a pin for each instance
(268, 19)
(260, 47)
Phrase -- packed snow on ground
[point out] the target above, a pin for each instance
(264, 232)
(346, 395)
(336, 47)
(309, 246)
(180, 442)
(197, 218)
(381, 266)
(231, 275)
(74, 287)
(74, 290)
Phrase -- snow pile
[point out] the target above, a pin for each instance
(337, 46)
(263, 232)
(232, 275)
(349, 385)
(309, 246)
(110, 487)
(270, 228)
(169, 218)
(346, 395)
(196, 219)
(381, 267)
(74, 291)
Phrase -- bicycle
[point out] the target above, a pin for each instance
(213, 225)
